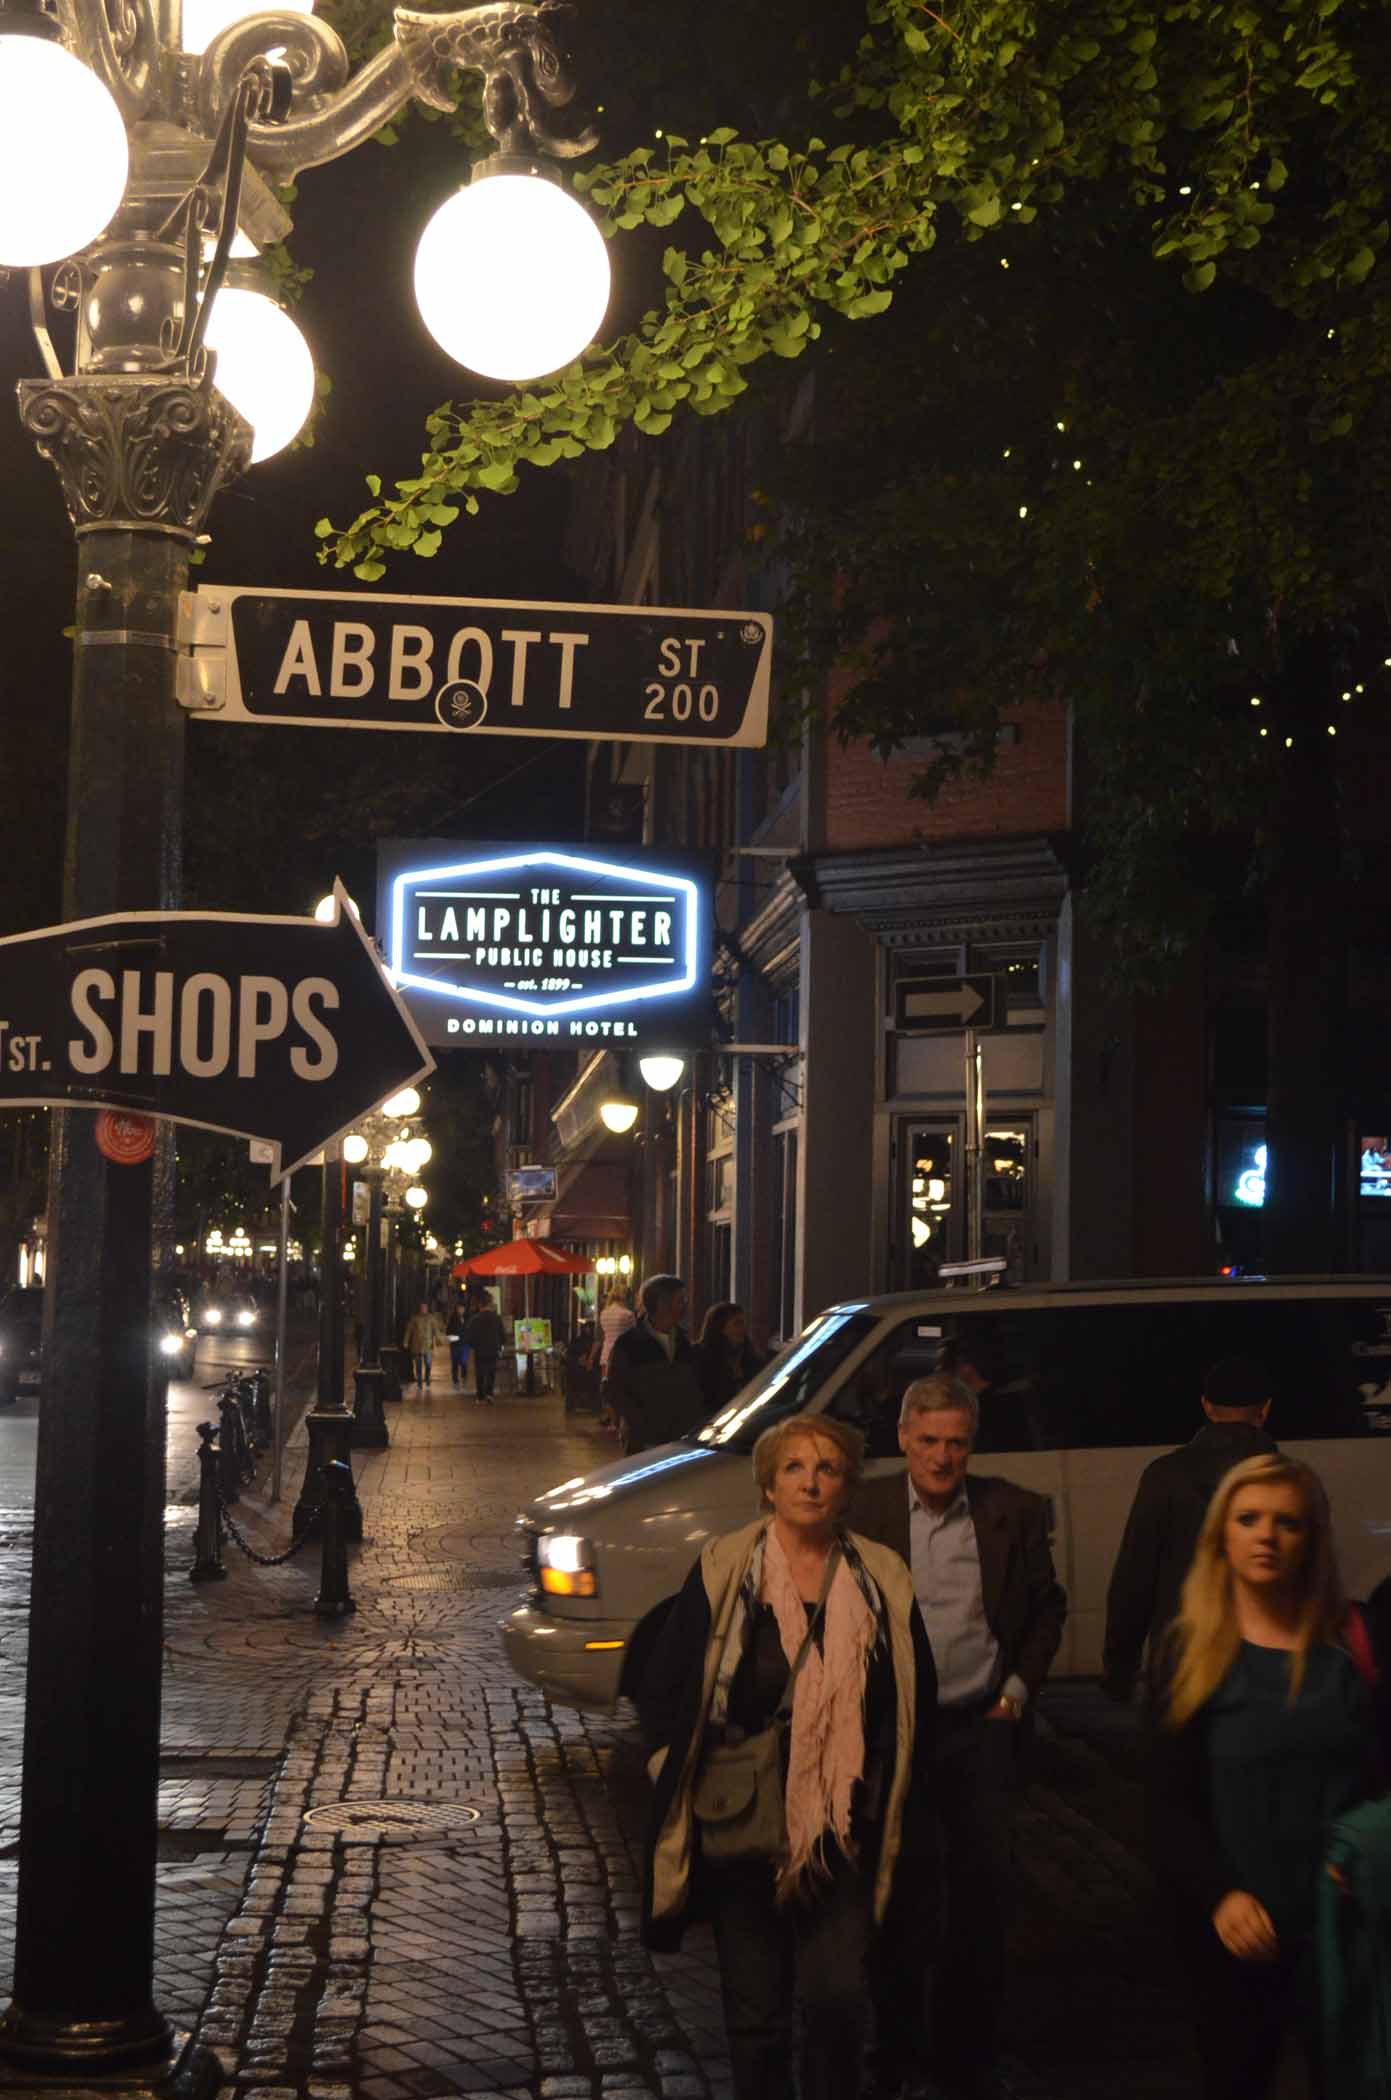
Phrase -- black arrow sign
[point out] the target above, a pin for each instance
(286, 1030)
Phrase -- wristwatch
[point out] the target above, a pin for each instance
(1012, 1706)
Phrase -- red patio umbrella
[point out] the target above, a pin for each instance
(524, 1258)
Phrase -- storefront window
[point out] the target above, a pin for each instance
(1374, 1176)
(1006, 1170)
(931, 1163)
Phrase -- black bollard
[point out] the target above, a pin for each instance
(228, 1449)
(369, 1423)
(260, 1401)
(334, 1600)
(207, 1539)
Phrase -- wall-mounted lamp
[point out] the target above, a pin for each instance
(661, 1072)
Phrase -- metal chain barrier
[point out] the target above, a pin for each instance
(269, 1560)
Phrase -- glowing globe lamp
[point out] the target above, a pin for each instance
(355, 1149)
(205, 19)
(618, 1116)
(263, 367)
(63, 152)
(661, 1073)
(406, 1103)
(512, 274)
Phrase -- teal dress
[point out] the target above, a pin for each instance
(1279, 1774)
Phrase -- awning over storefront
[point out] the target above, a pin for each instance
(591, 1204)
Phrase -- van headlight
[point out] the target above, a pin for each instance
(566, 1565)
(169, 1345)
(246, 1319)
(212, 1317)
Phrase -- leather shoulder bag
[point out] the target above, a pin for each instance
(737, 1799)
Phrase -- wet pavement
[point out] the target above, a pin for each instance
(388, 1868)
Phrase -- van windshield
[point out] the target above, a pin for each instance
(785, 1386)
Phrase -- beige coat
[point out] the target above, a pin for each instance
(723, 1564)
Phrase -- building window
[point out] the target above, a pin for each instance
(718, 1259)
(782, 1305)
(1006, 1170)
(1019, 966)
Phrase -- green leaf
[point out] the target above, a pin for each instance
(868, 303)
(428, 544)
(369, 571)
(722, 136)
(1200, 276)
(374, 483)
(323, 529)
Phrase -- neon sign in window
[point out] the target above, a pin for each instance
(1250, 1182)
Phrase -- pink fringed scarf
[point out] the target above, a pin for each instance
(827, 1753)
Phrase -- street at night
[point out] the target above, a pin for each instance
(695, 1123)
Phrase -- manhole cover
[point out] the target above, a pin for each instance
(440, 1582)
(394, 1822)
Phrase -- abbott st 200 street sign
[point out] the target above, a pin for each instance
(549, 946)
(477, 667)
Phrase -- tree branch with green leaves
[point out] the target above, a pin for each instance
(990, 113)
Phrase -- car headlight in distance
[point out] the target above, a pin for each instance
(170, 1344)
(566, 1565)
(212, 1318)
(246, 1319)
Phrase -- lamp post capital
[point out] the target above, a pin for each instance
(134, 452)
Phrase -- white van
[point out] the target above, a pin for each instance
(1080, 1387)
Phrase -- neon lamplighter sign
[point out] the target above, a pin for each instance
(550, 944)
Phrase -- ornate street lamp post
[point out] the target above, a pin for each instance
(130, 166)
(389, 1154)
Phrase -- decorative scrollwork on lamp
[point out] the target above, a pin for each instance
(132, 452)
(518, 48)
(120, 41)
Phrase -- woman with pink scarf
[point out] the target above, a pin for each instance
(797, 1599)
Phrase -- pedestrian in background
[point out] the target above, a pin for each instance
(798, 1626)
(422, 1332)
(982, 1570)
(458, 1344)
(725, 1357)
(652, 1385)
(1166, 1518)
(485, 1335)
(615, 1319)
(1261, 1734)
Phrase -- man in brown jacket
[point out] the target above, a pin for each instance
(982, 1567)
